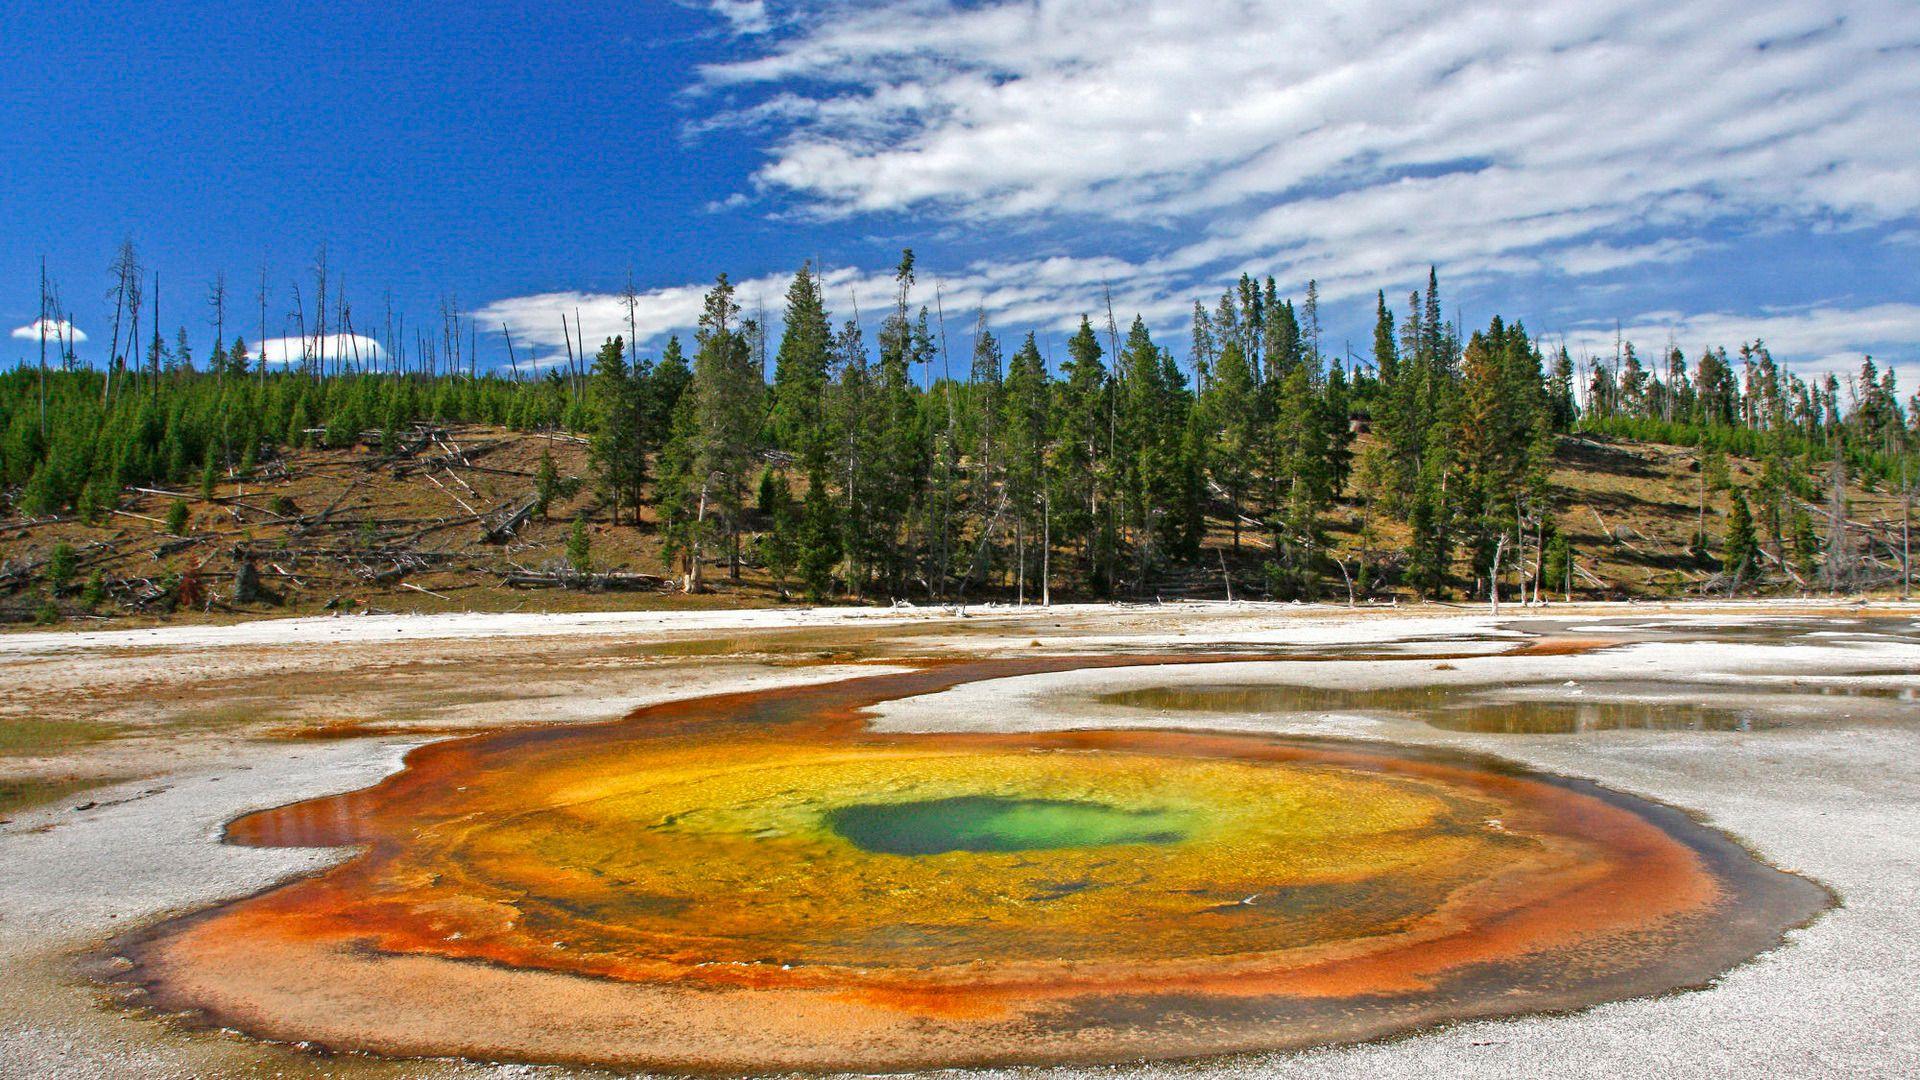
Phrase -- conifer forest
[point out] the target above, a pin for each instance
(945, 460)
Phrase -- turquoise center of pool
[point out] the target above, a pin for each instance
(991, 824)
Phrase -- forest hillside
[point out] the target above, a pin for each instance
(816, 468)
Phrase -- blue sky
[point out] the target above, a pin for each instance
(1706, 173)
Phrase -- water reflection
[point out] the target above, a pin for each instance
(1452, 708)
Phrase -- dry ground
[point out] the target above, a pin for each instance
(408, 534)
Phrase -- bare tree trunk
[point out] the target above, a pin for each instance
(261, 345)
(217, 299)
(693, 579)
(1906, 532)
(1493, 576)
(1539, 555)
(42, 327)
(1020, 555)
(566, 333)
(126, 267)
(1046, 551)
(156, 333)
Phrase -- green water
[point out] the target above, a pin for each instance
(987, 823)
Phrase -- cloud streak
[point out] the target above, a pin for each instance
(1521, 146)
(1035, 294)
(1360, 139)
(1816, 339)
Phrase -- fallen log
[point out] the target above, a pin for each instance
(566, 579)
(500, 531)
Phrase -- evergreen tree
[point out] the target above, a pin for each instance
(662, 389)
(857, 460)
(1303, 479)
(1027, 424)
(1152, 425)
(800, 370)
(1557, 564)
(1231, 410)
(819, 536)
(546, 484)
(580, 548)
(1079, 473)
(62, 564)
(719, 438)
(1741, 554)
(617, 448)
(901, 454)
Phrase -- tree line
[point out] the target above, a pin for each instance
(882, 470)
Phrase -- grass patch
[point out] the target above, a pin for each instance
(27, 737)
(25, 793)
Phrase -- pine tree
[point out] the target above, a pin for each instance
(901, 454)
(661, 393)
(1561, 409)
(980, 431)
(1386, 351)
(1741, 554)
(1080, 465)
(725, 400)
(1152, 424)
(800, 369)
(779, 545)
(616, 448)
(819, 537)
(1557, 564)
(62, 564)
(857, 461)
(1027, 423)
(1231, 410)
(546, 484)
(1303, 477)
(580, 548)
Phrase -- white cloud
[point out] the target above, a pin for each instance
(55, 331)
(744, 16)
(1355, 143)
(1815, 340)
(1362, 139)
(347, 348)
(1037, 294)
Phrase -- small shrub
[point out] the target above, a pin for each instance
(95, 593)
(546, 484)
(48, 615)
(177, 516)
(580, 548)
(282, 506)
(61, 566)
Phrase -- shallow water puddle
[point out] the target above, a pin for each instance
(1531, 708)
(756, 881)
(1456, 709)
